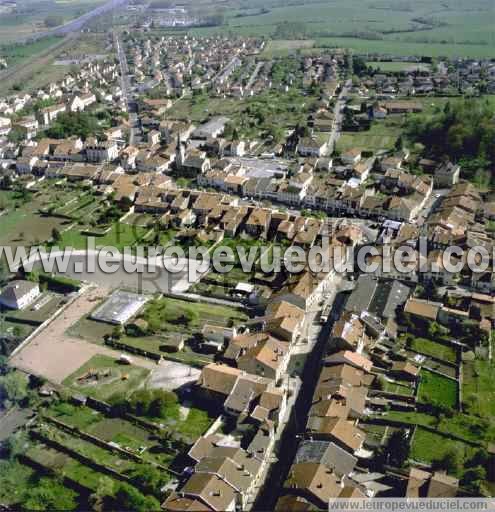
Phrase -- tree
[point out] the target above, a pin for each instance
(473, 479)
(6, 183)
(54, 21)
(49, 494)
(4, 271)
(14, 386)
(148, 478)
(99, 498)
(129, 498)
(56, 236)
(451, 462)
(398, 448)
(16, 135)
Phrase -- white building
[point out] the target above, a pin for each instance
(19, 294)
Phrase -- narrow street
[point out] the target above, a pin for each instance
(287, 447)
(338, 115)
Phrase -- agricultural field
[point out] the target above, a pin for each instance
(33, 16)
(400, 28)
(16, 53)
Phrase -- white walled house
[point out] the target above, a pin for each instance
(19, 294)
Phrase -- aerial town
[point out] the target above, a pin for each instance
(256, 388)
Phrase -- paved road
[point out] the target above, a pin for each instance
(82, 21)
(254, 75)
(338, 116)
(227, 70)
(127, 97)
(288, 444)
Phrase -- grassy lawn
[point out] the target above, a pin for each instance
(282, 47)
(120, 236)
(479, 387)
(398, 388)
(15, 478)
(121, 379)
(117, 430)
(428, 446)
(434, 349)
(58, 461)
(21, 222)
(381, 135)
(173, 315)
(436, 388)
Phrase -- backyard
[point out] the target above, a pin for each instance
(381, 135)
(428, 447)
(435, 388)
(434, 349)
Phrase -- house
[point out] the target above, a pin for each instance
(403, 107)
(258, 222)
(30, 124)
(314, 482)
(285, 320)
(306, 291)
(422, 484)
(101, 151)
(154, 137)
(269, 358)
(404, 370)
(340, 461)
(350, 358)
(49, 114)
(351, 156)
(447, 175)
(348, 333)
(310, 146)
(25, 164)
(422, 308)
(210, 490)
(342, 432)
(19, 294)
(217, 380)
(211, 129)
(5, 126)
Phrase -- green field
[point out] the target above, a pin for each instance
(21, 222)
(422, 28)
(436, 388)
(120, 379)
(30, 15)
(120, 236)
(479, 388)
(434, 349)
(16, 53)
(382, 135)
(428, 446)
